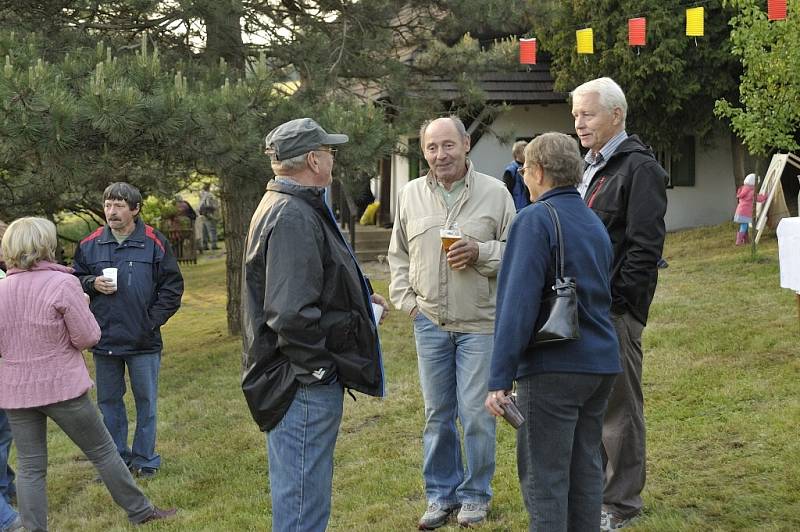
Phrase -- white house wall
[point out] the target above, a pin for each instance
(491, 157)
(710, 201)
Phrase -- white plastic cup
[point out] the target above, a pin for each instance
(111, 273)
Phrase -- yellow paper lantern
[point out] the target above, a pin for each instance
(694, 21)
(585, 40)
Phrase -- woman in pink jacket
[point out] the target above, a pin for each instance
(45, 325)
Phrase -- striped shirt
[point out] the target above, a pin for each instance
(596, 161)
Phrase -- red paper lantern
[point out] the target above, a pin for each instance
(637, 31)
(527, 51)
(776, 9)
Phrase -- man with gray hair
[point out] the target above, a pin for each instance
(308, 325)
(626, 187)
(448, 292)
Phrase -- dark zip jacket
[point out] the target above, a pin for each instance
(306, 312)
(630, 197)
(149, 288)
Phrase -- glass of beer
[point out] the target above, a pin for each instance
(450, 236)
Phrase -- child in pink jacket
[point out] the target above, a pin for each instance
(744, 211)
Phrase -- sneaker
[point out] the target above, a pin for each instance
(436, 515)
(16, 524)
(472, 513)
(145, 472)
(609, 521)
(158, 513)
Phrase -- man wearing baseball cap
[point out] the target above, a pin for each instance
(308, 325)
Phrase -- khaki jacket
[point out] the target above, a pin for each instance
(458, 301)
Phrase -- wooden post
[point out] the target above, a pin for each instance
(798, 307)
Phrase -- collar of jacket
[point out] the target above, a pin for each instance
(42, 266)
(631, 144)
(558, 191)
(137, 237)
(469, 178)
(313, 195)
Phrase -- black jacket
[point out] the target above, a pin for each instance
(306, 313)
(630, 197)
(149, 288)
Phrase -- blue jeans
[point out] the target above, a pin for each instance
(7, 490)
(143, 374)
(300, 450)
(454, 374)
(558, 449)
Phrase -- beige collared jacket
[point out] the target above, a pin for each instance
(458, 301)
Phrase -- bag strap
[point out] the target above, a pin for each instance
(559, 258)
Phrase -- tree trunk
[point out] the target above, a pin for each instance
(739, 155)
(240, 195)
(224, 32)
(385, 212)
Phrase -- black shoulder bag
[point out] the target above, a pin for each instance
(558, 313)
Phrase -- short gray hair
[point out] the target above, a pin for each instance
(559, 156)
(29, 241)
(611, 94)
(459, 125)
(518, 149)
(292, 164)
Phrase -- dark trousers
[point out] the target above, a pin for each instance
(624, 430)
(558, 449)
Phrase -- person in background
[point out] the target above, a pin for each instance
(9, 519)
(513, 178)
(744, 208)
(449, 296)
(46, 324)
(209, 211)
(626, 187)
(308, 328)
(562, 387)
(130, 311)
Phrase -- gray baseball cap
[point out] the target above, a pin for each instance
(299, 136)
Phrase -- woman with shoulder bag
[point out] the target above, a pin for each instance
(562, 384)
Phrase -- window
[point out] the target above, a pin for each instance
(414, 158)
(679, 163)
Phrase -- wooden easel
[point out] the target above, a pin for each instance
(769, 187)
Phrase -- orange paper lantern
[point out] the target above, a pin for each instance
(527, 51)
(776, 9)
(637, 31)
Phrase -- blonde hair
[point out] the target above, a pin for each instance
(29, 241)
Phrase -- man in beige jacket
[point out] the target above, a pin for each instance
(450, 296)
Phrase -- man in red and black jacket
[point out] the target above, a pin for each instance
(626, 187)
(131, 302)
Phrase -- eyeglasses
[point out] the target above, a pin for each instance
(525, 169)
(328, 149)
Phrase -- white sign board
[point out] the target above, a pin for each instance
(789, 252)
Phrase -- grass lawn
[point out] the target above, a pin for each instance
(721, 383)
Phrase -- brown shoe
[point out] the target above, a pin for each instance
(158, 513)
